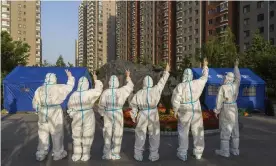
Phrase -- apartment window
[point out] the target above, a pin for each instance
(19, 25)
(217, 19)
(190, 19)
(190, 10)
(246, 9)
(190, 2)
(196, 40)
(210, 32)
(249, 91)
(19, 38)
(185, 12)
(271, 13)
(185, 30)
(190, 29)
(260, 17)
(190, 37)
(260, 4)
(185, 48)
(24, 26)
(24, 6)
(24, 32)
(246, 21)
(196, 2)
(225, 17)
(246, 46)
(210, 21)
(196, 21)
(271, 28)
(190, 47)
(196, 12)
(196, 31)
(178, 7)
(19, 32)
(19, 18)
(179, 41)
(185, 21)
(212, 90)
(185, 39)
(272, 41)
(19, 5)
(246, 33)
(261, 29)
(4, 15)
(24, 19)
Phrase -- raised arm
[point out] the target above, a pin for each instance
(176, 99)
(128, 88)
(162, 82)
(65, 89)
(237, 73)
(97, 91)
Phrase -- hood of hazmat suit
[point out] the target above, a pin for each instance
(185, 101)
(80, 108)
(110, 107)
(46, 101)
(145, 101)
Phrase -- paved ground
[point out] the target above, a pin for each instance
(258, 146)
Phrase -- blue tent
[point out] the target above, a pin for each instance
(251, 93)
(22, 82)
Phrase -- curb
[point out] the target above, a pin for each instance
(174, 133)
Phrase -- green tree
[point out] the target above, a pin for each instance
(46, 64)
(220, 50)
(70, 64)
(13, 53)
(60, 62)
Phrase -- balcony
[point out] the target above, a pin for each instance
(223, 6)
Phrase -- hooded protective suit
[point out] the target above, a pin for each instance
(110, 107)
(228, 114)
(186, 104)
(145, 101)
(83, 125)
(46, 101)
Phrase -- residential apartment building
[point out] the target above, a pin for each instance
(219, 15)
(256, 15)
(76, 53)
(189, 30)
(145, 31)
(22, 20)
(82, 34)
(96, 43)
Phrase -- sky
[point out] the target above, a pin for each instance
(59, 30)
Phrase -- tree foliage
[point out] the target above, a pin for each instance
(60, 62)
(13, 53)
(220, 50)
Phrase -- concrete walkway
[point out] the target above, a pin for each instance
(257, 146)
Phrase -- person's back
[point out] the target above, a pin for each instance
(46, 101)
(145, 101)
(110, 107)
(187, 108)
(80, 108)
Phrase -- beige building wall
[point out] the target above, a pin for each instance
(76, 53)
(24, 25)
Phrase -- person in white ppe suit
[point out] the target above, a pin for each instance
(186, 104)
(145, 101)
(110, 107)
(227, 109)
(83, 125)
(46, 101)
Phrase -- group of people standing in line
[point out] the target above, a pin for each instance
(186, 105)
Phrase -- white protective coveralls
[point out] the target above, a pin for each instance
(228, 114)
(186, 104)
(145, 101)
(110, 107)
(46, 101)
(83, 125)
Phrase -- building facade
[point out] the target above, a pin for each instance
(22, 19)
(96, 43)
(76, 53)
(256, 15)
(218, 16)
(189, 30)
